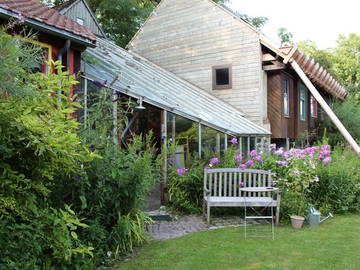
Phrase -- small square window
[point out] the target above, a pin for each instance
(222, 77)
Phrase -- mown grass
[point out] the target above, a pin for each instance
(335, 244)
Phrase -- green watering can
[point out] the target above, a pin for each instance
(313, 217)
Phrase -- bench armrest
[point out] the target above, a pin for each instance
(207, 192)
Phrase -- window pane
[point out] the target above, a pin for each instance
(222, 76)
(286, 97)
(303, 91)
(208, 141)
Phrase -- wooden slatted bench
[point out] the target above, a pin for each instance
(222, 189)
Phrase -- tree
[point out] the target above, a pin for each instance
(285, 37)
(121, 19)
(257, 22)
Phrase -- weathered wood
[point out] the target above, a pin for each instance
(275, 66)
(268, 57)
(169, 39)
(226, 190)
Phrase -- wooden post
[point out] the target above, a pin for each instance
(164, 153)
(225, 142)
(85, 101)
(115, 115)
(218, 144)
(240, 144)
(248, 146)
(199, 140)
(325, 106)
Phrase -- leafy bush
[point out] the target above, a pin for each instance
(37, 142)
(339, 186)
(111, 191)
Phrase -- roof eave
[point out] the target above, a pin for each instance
(50, 29)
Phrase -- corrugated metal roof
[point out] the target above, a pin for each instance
(139, 77)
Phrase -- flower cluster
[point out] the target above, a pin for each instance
(182, 171)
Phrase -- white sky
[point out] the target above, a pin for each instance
(318, 20)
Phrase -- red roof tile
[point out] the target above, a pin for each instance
(32, 9)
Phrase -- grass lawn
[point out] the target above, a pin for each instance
(335, 244)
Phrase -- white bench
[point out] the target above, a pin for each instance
(222, 188)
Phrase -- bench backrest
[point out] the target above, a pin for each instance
(226, 182)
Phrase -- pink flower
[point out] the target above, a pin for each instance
(286, 155)
(238, 158)
(258, 159)
(214, 160)
(324, 153)
(281, 162)
(296, 172)
(241, 184)
(325, 147)
(316, 179)
(249, 163)
(327, 160)
(242, 166)
(279, 152)
(234, 140)
(182, 171)
(252, 153)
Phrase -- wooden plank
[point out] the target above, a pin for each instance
(225, 184)
(230, 183)
(268, 57)
(216, 193)
(220, 184)
(275, 66)
(210, 184)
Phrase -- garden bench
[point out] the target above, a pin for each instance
(222, 188)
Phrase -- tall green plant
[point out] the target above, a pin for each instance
(38, 140)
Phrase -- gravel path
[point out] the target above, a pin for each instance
(179, 226)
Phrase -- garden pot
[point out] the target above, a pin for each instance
(297, 221)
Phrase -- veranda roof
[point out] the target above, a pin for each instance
(135, 76)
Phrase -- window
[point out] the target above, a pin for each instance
(303, 91)
(80, 21)
(42, 54)
(313, 107)
(222, 77)
(286, 97)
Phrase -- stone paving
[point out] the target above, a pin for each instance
(182, 225)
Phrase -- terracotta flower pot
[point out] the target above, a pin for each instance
(297, 221)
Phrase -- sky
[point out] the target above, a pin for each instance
(321, 21)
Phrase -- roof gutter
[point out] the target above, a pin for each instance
(50, 29)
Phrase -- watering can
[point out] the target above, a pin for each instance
(313, 217)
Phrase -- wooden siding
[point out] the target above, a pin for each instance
(79, 10)
(189, 37)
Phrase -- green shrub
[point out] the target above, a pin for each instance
(339, 187)
(37, 142)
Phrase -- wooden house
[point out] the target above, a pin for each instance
(80, 12)
(60, 37)
(211, 47)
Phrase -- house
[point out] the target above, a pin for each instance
(59, 37)
(211, 47)
(80, 12)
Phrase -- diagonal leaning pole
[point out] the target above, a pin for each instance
(323, 104)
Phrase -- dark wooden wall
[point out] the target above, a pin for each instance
(289, 126)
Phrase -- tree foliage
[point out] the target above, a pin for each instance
(343, 61)
(285, 37)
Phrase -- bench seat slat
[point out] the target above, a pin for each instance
(241, 201)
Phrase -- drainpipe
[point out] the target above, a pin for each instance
(59, 57)
(325, 106)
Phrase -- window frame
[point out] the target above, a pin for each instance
(313, 107)
(48, 68)
(286, 93)
(302, 102)
(225, 86)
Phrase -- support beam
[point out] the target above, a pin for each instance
(325, 106)
(226, 141)
(199, 133)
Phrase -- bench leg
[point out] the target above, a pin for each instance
(208, 215)
(277, 214)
